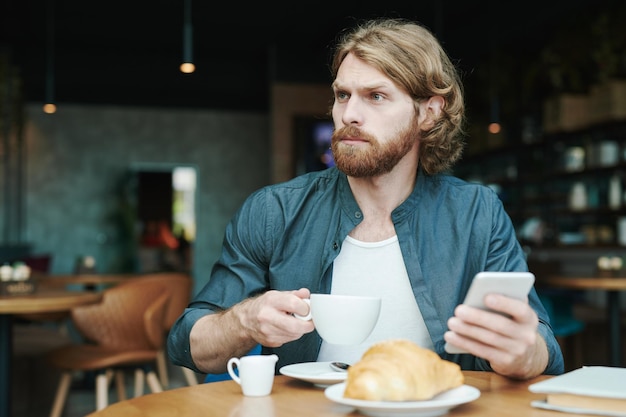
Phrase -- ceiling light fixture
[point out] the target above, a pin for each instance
(495, 126)
(187, 66)
(49, 102)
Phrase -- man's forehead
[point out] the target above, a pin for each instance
(355, 72)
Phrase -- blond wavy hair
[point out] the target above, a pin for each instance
(411, 56)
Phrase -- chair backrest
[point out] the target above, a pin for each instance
(179, 285)
(130, 316)
(561, 312)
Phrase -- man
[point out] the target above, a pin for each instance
(386, 221)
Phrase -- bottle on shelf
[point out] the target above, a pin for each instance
(615, 192)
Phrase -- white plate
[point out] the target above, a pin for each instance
(319, 373)
(436, 406)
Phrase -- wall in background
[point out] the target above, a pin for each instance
(78, 160)
(290, 101)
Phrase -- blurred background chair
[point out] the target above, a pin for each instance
(567, 328)
(559, 305)
(124, 331)
(180, 286)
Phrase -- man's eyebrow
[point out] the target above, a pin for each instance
(379, 85)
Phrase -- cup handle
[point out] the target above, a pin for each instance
(308, 316)
(231, 371)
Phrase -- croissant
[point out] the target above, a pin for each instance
(400, 370)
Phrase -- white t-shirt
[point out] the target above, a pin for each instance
(377, 269)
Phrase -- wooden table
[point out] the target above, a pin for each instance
(43, 301)
(87, 280)
(612, 286)
(501, 397)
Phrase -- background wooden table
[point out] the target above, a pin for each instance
(86, 280)
(612, 286)
(43, 301)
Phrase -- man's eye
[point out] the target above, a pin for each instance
(341, 96)
(377, 97)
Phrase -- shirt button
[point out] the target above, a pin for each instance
(335, 246)
(358, 214)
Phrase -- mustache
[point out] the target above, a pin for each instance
(351, 132)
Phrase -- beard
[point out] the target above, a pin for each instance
(377, 158)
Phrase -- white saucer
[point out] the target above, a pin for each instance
(437, 406)
(319, 373)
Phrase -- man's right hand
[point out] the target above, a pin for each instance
(269, 320)
(266, 319)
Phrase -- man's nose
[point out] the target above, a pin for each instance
(352, 112)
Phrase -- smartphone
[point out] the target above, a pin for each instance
(512, 284)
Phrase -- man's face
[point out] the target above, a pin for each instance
(375, 121)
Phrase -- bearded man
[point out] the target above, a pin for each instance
(388, 220)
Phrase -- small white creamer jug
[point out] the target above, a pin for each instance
(255, 373)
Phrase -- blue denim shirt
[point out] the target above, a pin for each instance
(286, 236)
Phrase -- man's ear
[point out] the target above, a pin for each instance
(430, 110)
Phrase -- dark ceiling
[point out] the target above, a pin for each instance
(127, 52)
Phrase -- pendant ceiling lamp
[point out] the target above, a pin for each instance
(49, 101)
(495, 126)
(187, 66)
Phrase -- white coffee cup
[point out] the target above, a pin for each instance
(256, 373)
(343, 319)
